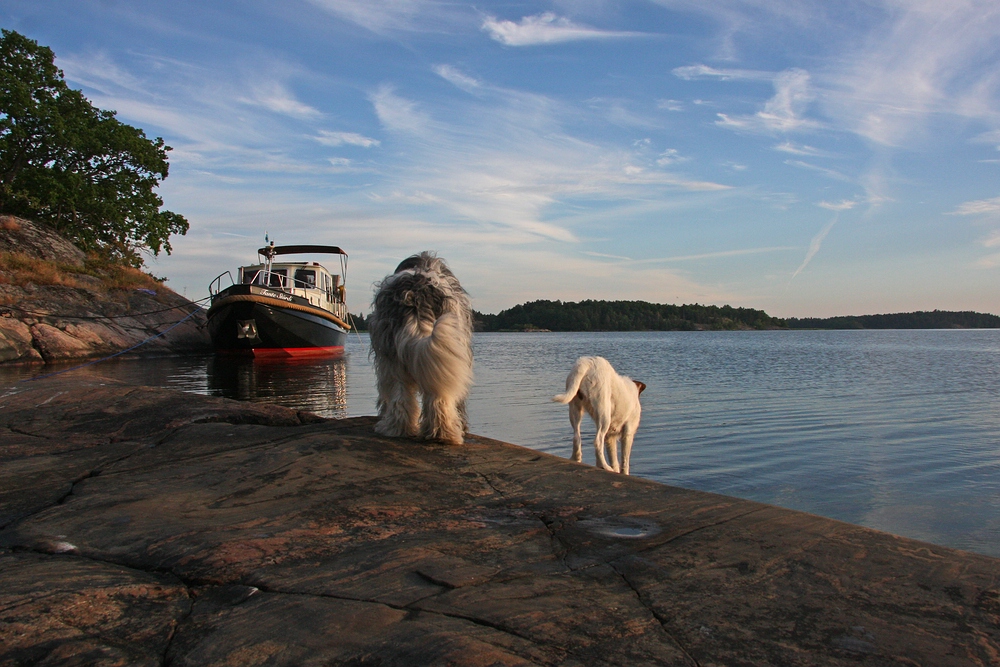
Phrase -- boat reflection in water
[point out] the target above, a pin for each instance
(313, 385)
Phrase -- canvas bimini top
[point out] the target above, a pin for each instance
(272, 250)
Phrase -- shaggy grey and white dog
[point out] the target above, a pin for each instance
(421, 336)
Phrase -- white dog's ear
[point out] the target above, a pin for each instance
(640, 385)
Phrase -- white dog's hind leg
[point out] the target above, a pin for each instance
(575, 415)
(627, 436)
(611, 447)
(602, 432)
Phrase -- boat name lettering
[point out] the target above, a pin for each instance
(273, 295)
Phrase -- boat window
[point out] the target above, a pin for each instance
(305, 278)
(277, 278)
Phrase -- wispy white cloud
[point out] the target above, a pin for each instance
(831, 173)
(989, 262)
(991, 137)
(212, 119)
(618, 112)
(670, 156)
(927, 58)
(993, 240)
(273, 96)
(751, 18)
(457, 78)
(694, 72)
(396, 113)
(842, 205)
(670, 105)
(99, 72)
(546, 28)
(714, 255)
(895, 65)
(383, 16)
(785, 112)
(801, 149)
(978, 207)
(502, 159)
(328, 138)
(815, 244)
(605, 255)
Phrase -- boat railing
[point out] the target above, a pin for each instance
(215, 286)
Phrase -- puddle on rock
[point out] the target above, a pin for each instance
(621, 527)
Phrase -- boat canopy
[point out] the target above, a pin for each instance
(272, 250)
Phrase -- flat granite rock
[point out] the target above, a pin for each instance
(146, 526)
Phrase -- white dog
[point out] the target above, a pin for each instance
(612, 401)
(421, 336)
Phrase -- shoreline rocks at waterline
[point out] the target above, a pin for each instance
(52, 310)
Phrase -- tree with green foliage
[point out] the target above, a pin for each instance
(73, 166)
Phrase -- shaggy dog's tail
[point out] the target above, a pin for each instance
(572, 382)
(441, 362)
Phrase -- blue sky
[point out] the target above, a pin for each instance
(808, 158)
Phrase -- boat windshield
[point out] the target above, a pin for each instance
(274, 278)
(277, 278)
(305, 278)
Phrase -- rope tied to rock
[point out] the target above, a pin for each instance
(5, 311)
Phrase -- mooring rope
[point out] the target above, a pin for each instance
(102, 317)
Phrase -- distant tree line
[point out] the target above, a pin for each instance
(624, 316)
(935, 319)
(359, 322)
(644, 316)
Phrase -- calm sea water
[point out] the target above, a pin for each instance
(895, 430)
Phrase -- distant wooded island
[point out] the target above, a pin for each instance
(921, 319)
(623, 316)
(593, 315)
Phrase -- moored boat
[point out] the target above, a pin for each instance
(279, 309)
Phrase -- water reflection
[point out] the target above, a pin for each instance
(314, 385)
(332, 387)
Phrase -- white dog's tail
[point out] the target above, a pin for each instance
(441, 363)
(572, 383)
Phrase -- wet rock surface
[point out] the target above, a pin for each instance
(145, 526)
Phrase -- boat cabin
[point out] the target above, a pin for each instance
(309, 280)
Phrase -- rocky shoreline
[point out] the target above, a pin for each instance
(143, 526)
(63, 313)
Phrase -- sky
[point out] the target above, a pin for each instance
(804, 157)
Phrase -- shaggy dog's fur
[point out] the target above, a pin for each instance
(612, 401)
(421, 337)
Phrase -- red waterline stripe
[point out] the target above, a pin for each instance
(288, 352)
